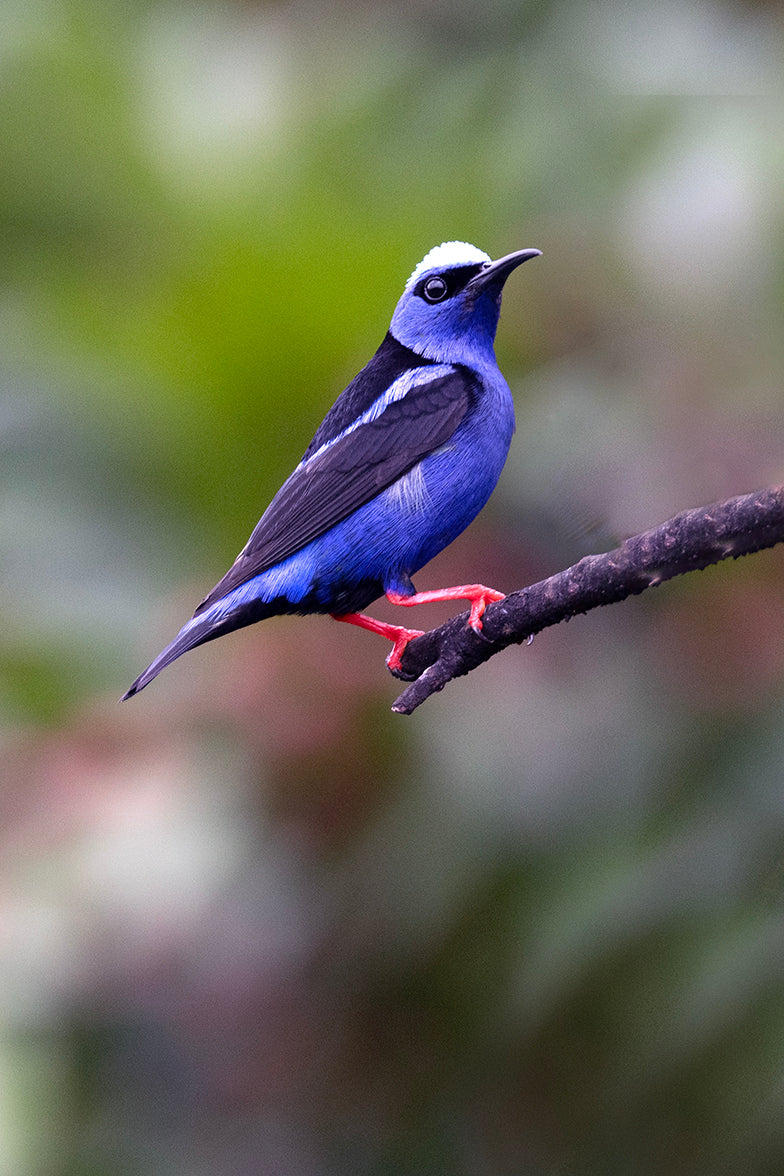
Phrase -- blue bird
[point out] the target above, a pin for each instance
(406, 457)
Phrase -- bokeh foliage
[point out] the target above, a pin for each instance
(251, 922)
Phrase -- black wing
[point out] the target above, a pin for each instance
(390, 361)
(328, 488)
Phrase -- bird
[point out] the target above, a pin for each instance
(404, 460)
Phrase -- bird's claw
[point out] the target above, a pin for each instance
(401, 641)
(478, 606)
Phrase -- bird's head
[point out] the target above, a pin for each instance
(450, 306)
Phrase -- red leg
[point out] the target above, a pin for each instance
(479, 596)
(395, 633)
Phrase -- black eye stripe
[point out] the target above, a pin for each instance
(450, 282)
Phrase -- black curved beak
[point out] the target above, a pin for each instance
(499, 271)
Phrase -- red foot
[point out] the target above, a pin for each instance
(479, 596)
(395, 633)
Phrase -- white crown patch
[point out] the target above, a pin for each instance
(446, 256)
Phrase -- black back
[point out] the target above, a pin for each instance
(390, 361)
(350, 472)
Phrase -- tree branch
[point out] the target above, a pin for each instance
(689, 541)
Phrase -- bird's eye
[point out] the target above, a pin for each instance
(434, 289)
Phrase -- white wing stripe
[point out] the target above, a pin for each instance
(413, 378)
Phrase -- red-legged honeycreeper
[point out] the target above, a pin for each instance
(406, 457)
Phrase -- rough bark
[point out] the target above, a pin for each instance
(691, 540)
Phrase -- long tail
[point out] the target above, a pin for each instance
(206, 626)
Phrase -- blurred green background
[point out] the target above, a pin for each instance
(251, 922)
